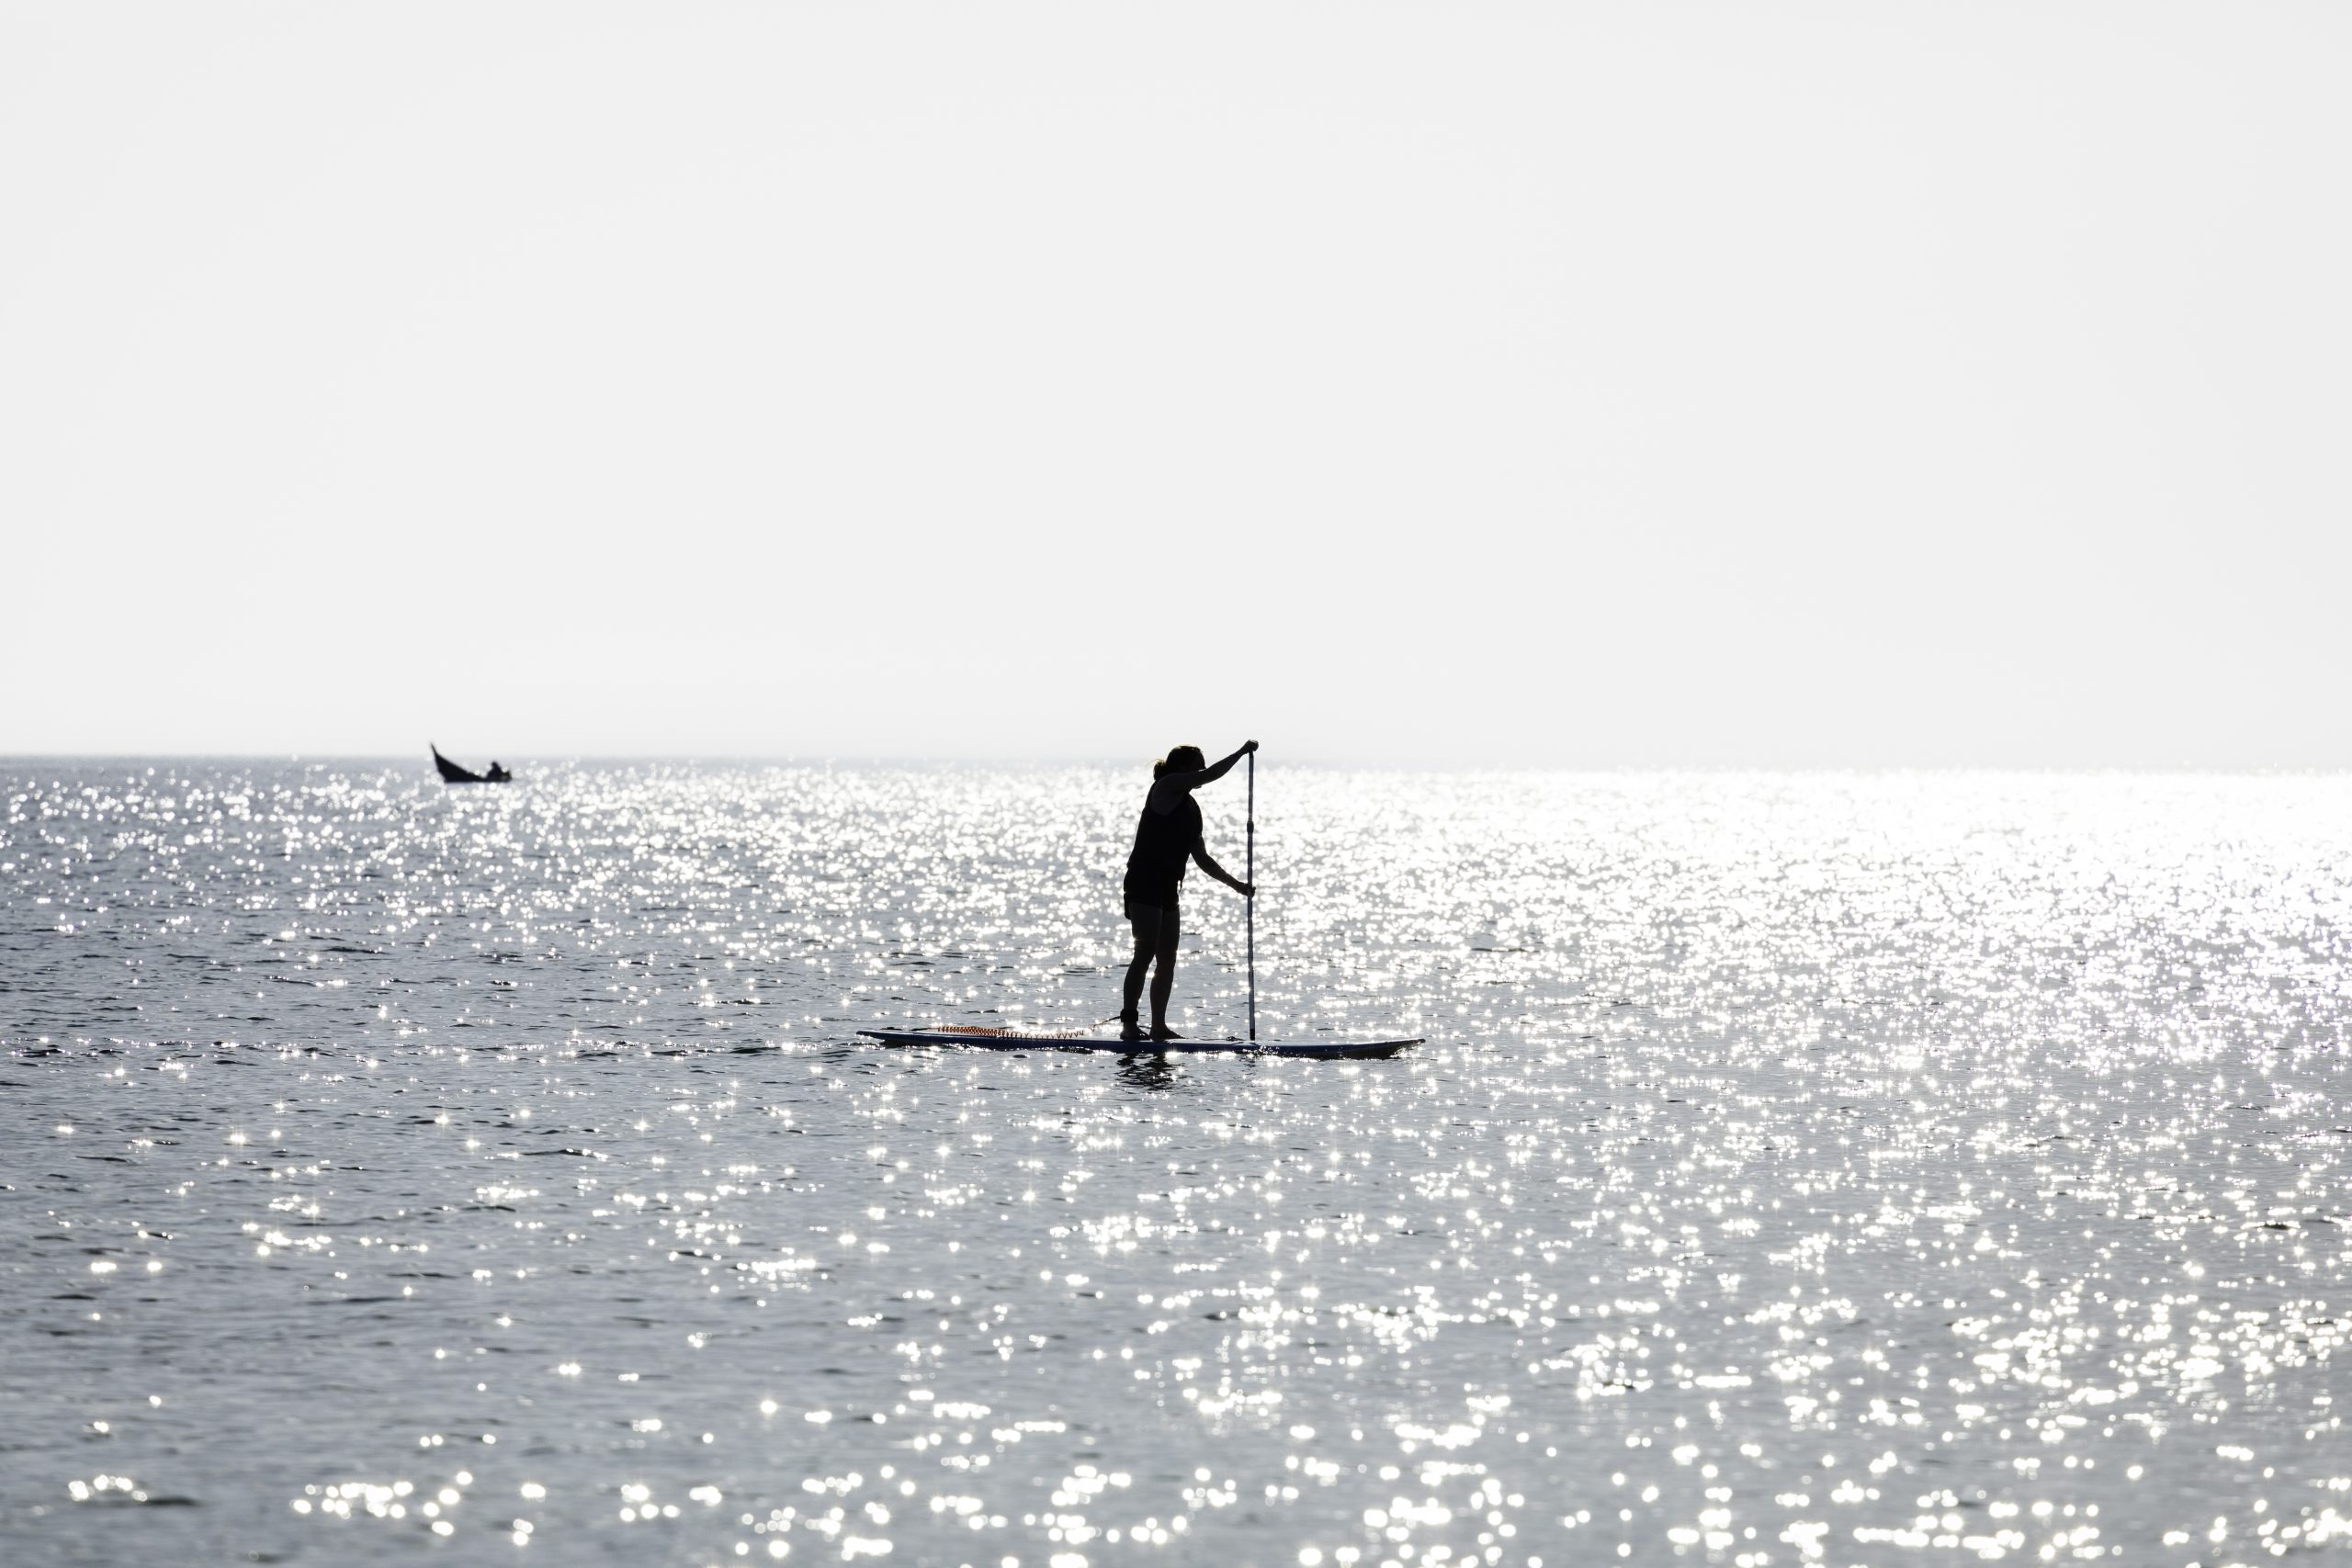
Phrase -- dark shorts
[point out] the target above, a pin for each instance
(1140, 901)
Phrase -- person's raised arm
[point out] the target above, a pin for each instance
(1187, 782)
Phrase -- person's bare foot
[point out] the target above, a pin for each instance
(1161, 1031)
(1131, 1031)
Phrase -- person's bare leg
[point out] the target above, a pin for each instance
(1131, 995)
(1163, 978)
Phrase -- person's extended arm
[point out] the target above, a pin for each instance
(1201, 858)
(1165, 791)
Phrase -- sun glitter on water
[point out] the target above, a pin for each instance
(1905, 1168)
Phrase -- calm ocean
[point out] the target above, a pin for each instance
(1802, 1170)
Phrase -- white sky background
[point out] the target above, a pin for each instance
(1449, 383)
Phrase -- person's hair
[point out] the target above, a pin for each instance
(1180, 760)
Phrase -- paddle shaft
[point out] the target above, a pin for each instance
(1249, 876)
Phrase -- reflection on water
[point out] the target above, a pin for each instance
(1802, 1170)
(1150, 1071)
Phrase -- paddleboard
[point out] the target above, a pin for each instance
(1016, 1040)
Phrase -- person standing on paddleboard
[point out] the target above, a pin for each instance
(1168, 835)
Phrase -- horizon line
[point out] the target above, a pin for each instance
(851, 759)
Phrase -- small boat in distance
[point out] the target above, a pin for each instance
(452, 773)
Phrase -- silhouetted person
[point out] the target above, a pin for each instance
(1168, 835)
(497, 775)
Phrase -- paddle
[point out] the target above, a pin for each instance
(1249, 876)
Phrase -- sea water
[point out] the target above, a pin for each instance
(1800, 1169)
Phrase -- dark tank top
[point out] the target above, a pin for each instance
(1163, 843)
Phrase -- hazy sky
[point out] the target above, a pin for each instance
(1743, 383)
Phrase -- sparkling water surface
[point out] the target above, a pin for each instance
(1800, 1170)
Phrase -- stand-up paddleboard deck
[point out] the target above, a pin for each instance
(1015, 1040)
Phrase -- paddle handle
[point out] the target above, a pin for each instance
(1249, 876)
